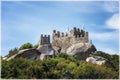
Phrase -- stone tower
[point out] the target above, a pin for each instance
(44, 39)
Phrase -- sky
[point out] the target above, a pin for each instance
(25, 21)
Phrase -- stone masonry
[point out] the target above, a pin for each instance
(45, 39)
(64, 40)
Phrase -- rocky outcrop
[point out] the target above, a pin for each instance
(27, 53)
(97, 60)
(75, 42)
(82, 50)
(41, 52)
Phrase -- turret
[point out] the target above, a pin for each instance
(54, 34)
(58, 33)
(41, 38)
(44, 39)
(75, 32)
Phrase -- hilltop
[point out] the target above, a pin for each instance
(75, 42)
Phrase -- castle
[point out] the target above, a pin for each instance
(75, 42)
(76, 35)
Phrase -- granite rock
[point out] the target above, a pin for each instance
(82, 50)
(96, 60)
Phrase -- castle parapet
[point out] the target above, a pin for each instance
(76, 34)
(44, 39)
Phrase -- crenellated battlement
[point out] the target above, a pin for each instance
(74, 33)
(65, 40)
(58, 34)
(44, 39)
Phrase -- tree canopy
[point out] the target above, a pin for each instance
(61, 67)
(26, 46)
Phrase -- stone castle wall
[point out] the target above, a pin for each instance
(65, 40)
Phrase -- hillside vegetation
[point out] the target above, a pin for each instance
(24, 46)
(61, 67)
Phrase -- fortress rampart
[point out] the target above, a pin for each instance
(65, 40)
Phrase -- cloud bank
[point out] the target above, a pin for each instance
(113, 22)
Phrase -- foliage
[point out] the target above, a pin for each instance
(36, 46)
(94, 71)
(62, 55)
(26, 46)
(12, 52)
(16, 50)
(102, 54)
(61, 67)
(113, 59)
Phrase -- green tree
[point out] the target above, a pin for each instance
(36, 46)
(94, 71)
(12, 52)
(63, 55)
(60, 67)
(26, 46)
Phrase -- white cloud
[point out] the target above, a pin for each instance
(113, 22)
(101, 36)
(111, 6)
(103, 41)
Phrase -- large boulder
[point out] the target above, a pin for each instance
(96, 60)
(82, 50)
(27, 53)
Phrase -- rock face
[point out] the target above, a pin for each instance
(41, 52)
(27, 53)
(96, 60)
(82, 50)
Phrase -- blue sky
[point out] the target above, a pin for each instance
(24, 22)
